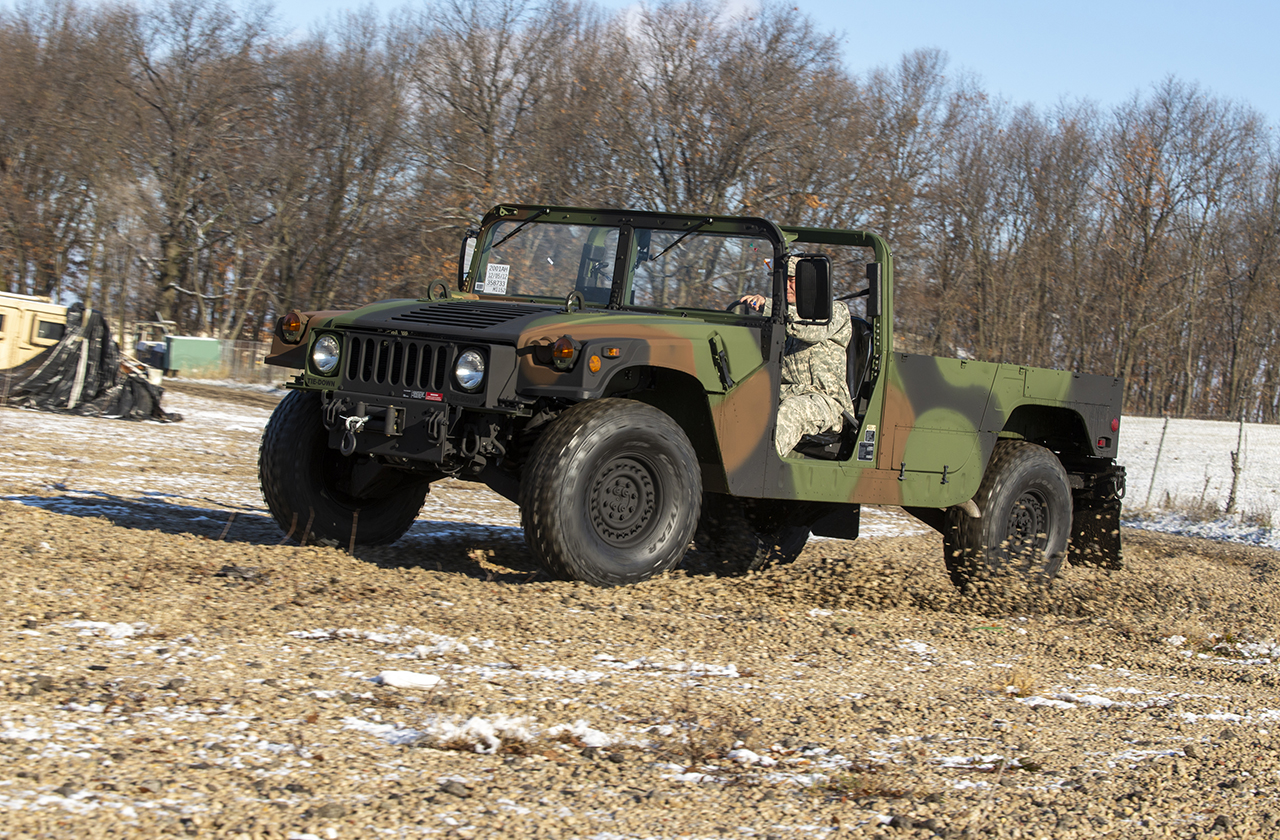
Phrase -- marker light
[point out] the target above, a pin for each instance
(291, 327)
(563, 352)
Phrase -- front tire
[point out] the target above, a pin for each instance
(611, 493)
(305, 483)
(1025, 500)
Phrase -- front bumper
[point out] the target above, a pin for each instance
(399, 430)
(396, 398)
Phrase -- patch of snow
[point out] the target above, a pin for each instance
(118, 630)
(407, 679)
(748, 758)
(1194, 470)
(580, 731)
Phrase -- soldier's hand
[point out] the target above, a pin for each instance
(754, 301)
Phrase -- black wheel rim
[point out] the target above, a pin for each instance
(624, 497)
(1029, 524)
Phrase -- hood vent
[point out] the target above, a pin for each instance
(474, 315)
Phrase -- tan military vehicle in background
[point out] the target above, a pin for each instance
(29, 325)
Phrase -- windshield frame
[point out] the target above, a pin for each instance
(630, 225)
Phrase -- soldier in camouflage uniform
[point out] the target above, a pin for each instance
(815, 388)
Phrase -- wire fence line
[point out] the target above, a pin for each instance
(1201, 467)
(243, 363)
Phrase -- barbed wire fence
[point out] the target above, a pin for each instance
(1201, 468)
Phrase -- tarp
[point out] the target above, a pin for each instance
(83, 374)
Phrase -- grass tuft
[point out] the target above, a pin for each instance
(1016, 683)
(862, 782)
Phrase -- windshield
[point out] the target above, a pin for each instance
(702, 270)
(688, 268)
(549, 260)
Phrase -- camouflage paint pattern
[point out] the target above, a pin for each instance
(930, 424)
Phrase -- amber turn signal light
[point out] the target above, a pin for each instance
(563, 352)
(291, 327)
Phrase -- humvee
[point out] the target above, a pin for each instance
(594, 367)
(29, 325)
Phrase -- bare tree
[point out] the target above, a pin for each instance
(46, 153)
(332, 145)
(192, 88)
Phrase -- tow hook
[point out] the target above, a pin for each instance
(354, 426)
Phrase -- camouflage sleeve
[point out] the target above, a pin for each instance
(817, 333)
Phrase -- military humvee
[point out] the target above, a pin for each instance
(594, 367)
(28, 326)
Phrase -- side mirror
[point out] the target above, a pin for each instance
(813, 289)
(873, 290)
(464, 259)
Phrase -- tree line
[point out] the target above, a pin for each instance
(184, 158)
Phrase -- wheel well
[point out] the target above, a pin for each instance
(675, 393)
(1059, 429)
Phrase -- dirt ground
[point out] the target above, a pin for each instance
(170, 667)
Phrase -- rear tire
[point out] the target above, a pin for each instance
(611, 493)
(303, 481)
(1025, 501)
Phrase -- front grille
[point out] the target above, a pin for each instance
(472, 315)
(396, 362)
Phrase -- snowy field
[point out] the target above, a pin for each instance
(175, 684)
(1186, 492)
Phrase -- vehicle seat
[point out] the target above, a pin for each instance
(838, 446)
(595, 274)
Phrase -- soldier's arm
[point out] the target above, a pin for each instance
(815, 333)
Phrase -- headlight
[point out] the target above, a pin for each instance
(324, 355)
(469, 370)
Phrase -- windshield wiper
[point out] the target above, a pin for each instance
(699, 226)
(535, 214)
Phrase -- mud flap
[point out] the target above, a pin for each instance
(1095, 523)
(841, 523)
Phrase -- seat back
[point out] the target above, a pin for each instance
(859, 360)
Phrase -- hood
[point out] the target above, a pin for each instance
(477, 320)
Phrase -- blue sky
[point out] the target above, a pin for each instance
(1034, 51)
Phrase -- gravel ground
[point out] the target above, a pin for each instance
(169, 668)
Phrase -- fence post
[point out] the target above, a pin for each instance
(1159, 449)
(1237, 467)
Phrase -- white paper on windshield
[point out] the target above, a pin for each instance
(495, 279)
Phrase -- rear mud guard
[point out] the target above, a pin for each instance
(1095, 523)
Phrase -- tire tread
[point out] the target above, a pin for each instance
(550, 466)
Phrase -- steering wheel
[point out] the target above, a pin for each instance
(746, 307)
